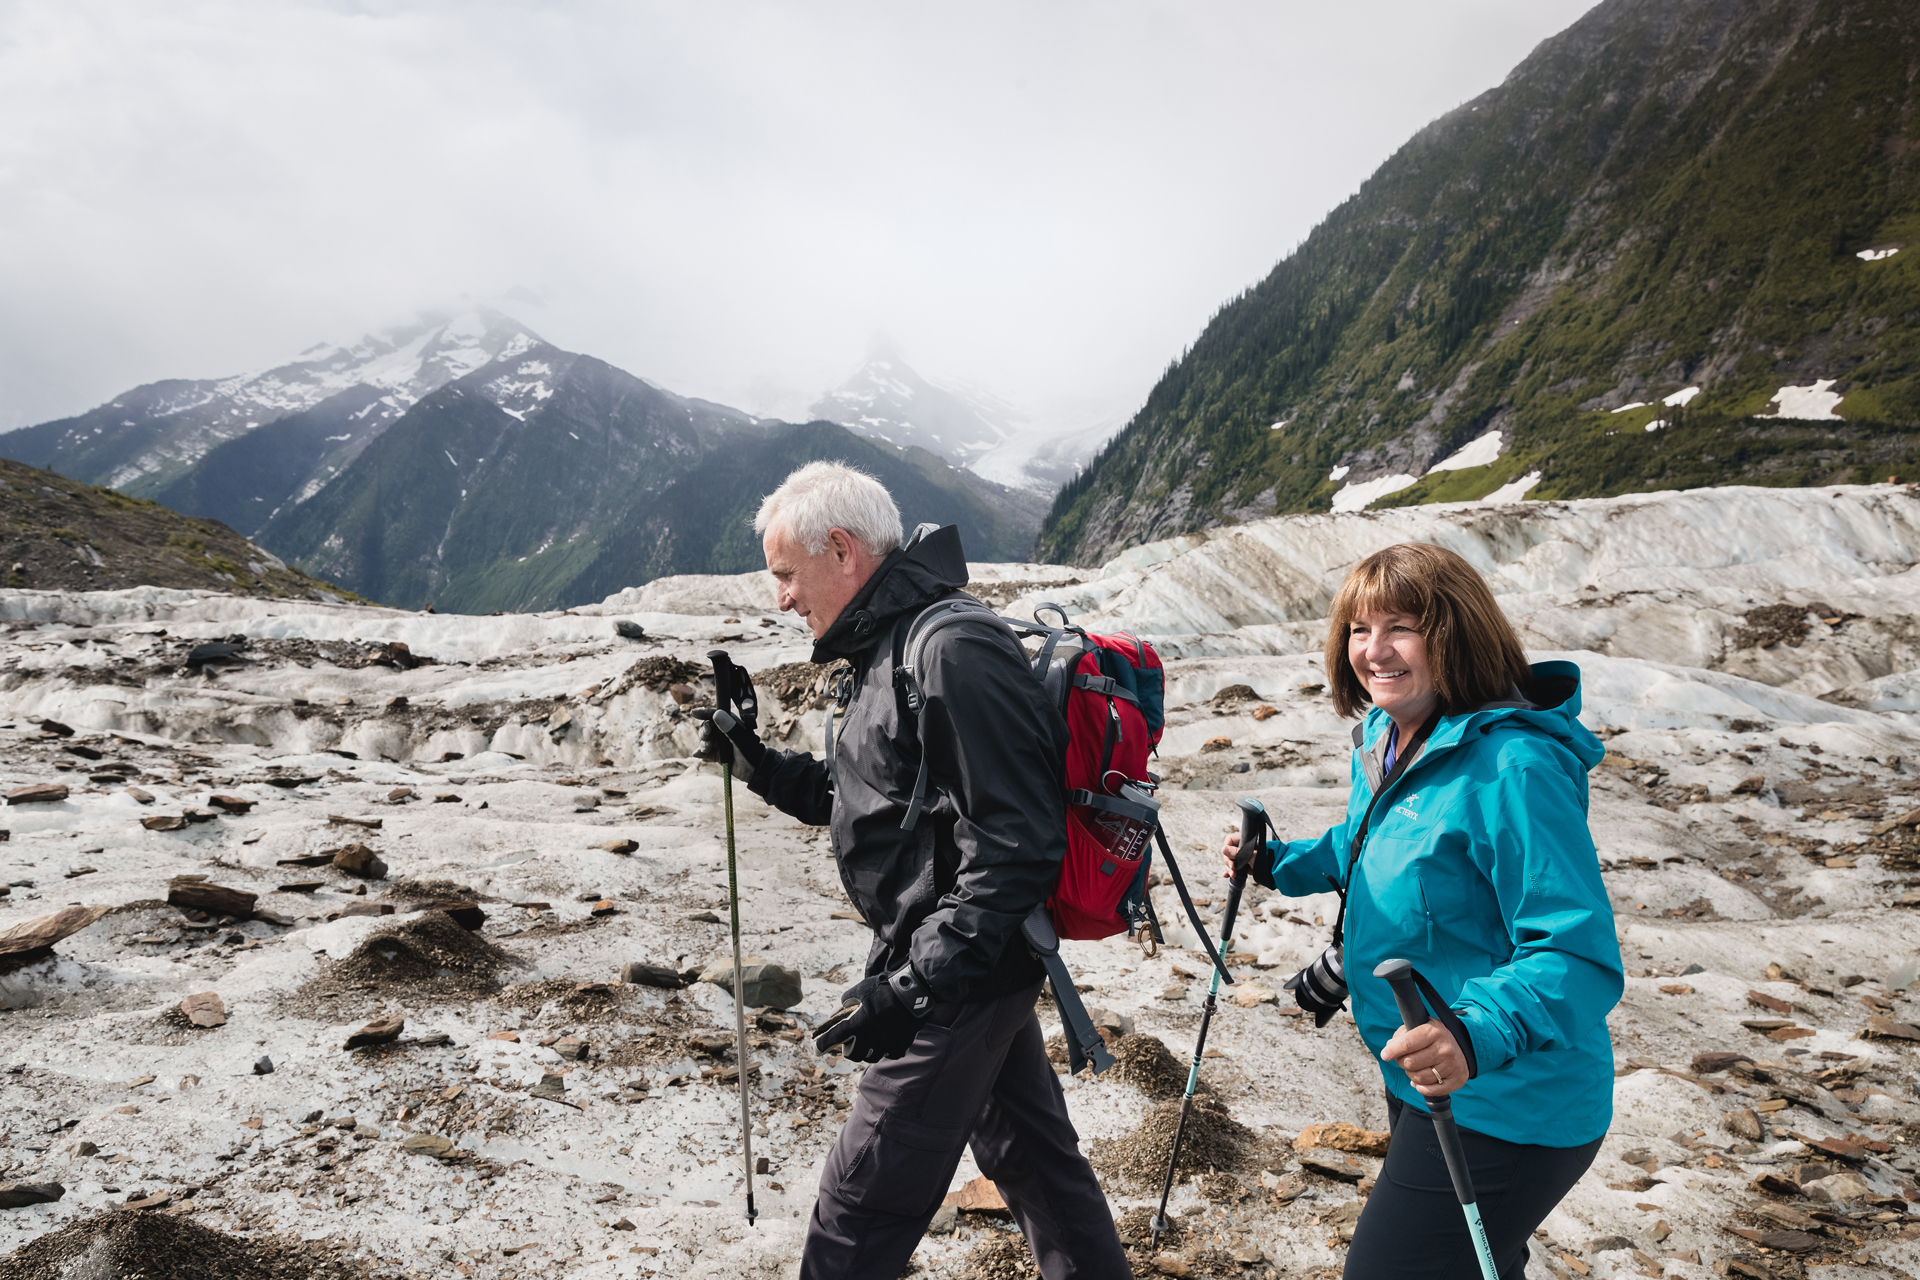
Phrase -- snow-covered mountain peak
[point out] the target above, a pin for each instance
(886, 399)
(408, 361)
(146, 438)
(522, 385)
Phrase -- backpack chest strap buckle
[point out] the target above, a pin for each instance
(1106, 686)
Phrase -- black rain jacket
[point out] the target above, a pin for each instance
(950, 894)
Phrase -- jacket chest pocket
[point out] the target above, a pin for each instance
(873, 737)
(1436, 882)
(1389, 858)
(1393, 914)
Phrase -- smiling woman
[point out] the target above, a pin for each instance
(1464, 851)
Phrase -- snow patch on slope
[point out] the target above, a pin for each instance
(1512, 491)
(1477, 452)
(1358, 497)
(1808, 404)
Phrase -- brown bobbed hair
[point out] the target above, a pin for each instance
(1472, 650)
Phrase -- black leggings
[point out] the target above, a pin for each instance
(1413, 1225)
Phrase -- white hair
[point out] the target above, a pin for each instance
(823, 496)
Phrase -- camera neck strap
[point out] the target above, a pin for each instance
(1403, 760)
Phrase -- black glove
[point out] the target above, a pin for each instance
(726, 739)
(877, 1017)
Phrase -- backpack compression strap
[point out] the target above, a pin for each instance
(1084, 1044)
(1186, 900)
(1105, 685)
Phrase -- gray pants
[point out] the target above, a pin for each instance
(976, 1072)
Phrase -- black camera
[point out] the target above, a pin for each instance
(1321, 987)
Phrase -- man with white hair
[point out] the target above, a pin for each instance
(946, 1009)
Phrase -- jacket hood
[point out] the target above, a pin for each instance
(909, 579)
(1549, 704)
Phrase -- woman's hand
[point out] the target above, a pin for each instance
(1228, 852)
(1433, 1062)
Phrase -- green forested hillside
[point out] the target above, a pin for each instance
(1670, 194)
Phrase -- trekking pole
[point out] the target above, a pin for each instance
(728, 683)
(1401, 976)
(1253, 819)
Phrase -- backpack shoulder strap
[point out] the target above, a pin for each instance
(932, 620)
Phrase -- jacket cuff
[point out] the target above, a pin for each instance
(773, 764)
(1486, 1048)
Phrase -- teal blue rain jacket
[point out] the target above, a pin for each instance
(1479, 868)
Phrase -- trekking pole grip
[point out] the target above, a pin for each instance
(1413, 1012)
(1233, 909)
(1253, 821)
(723, 681)
(1399, 976)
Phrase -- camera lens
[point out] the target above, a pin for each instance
(1321, 987)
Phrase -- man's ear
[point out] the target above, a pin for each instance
(840, 543)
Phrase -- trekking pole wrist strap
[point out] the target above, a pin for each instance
(1447, 1018)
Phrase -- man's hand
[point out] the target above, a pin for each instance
(1433, 1062)
(874, 1022)
(725, 739)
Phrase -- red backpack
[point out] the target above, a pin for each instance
(1112, 691)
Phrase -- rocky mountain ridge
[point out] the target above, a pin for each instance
(146, 441)
(474, 467)
(59, 535)
(558, 478)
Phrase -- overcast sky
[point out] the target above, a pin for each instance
(1045, 199)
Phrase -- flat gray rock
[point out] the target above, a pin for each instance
(18, 1195)
(763, 984)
